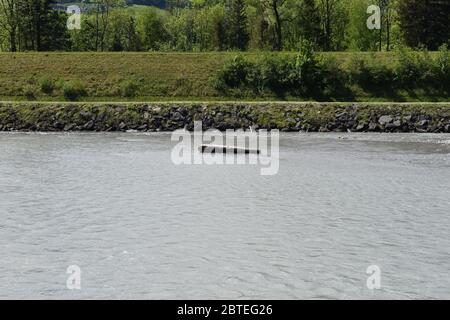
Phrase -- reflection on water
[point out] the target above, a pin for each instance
(140, 227)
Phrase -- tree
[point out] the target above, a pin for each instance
(309, 21)
(84, 39)
(328, 11)
(386, 10)
(274, 6)
(425, 22)
(180, 27)
(359, 38)
(210, 28)
(40, 27)
(54, 33)
(122, 35)
(9, 21)
(238, 25)
(258, 26)
(151, 29)
(102, 9)
(33, 25)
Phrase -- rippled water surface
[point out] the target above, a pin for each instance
(140, 227)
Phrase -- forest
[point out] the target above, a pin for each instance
(223, 25)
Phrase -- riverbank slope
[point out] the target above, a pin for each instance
(345, 76)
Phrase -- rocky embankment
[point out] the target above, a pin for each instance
(323, 117)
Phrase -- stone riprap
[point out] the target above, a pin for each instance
(286, 116)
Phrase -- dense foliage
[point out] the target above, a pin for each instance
(208, 25)
(307, 75)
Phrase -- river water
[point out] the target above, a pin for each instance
(139, 226)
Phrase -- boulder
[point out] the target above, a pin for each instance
(177, 116)
(85, 115)
(383, 120)
(446, 128)
(122, 126)
(361, 126)
(373, 126)
(422, 124)
(69, 127)
(423, 117)
(408, 118)
(89, 125)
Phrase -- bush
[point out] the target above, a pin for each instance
(371, 75)
(272, 72)
(305, 75)
(380, 75)
(357, 70)
(29, 91)
(128, 88)
(406, 71)
(276, 73)
(333, 80)
(73, 90)
(297, 75)
(425, 65)
(234, 73)
(307, 69)
(47, 85)
(442, 67)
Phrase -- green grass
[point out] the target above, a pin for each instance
(157, 76)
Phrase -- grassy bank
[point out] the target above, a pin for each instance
(288, 116)
(161, 76)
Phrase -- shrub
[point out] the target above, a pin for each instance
(47, 85)
(276, 73)
(425, 65)
(357, 70)
(305, 75)
(128, 88)
(234, 73)
(443, 60)
(307, 69)
(297, 75)
(380, 75)
(255, 80)
(442, 67)
(73, 90)
(371, 75)
(406, 71)
(273, 72)
(333, 80)
(29, 91)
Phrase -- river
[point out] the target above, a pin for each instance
(138, 226)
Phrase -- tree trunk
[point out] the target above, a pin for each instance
(12, 39)
(278, 30)
(97, 26)
(381, 29)
(380, 39)
(38, 25)
(328, 26)
(388, 34)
